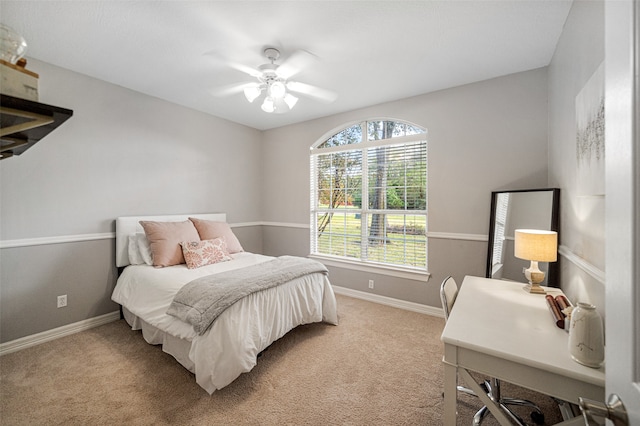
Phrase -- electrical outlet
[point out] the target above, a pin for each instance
(62, 301)
(370, 283)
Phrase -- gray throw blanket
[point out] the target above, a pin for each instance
(202, 300)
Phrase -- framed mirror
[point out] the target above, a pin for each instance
(520, 209)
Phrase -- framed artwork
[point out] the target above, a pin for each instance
(590, 135)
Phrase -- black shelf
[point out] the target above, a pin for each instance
(25, 122)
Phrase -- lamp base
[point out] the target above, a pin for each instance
(535, 277)
(534, 289)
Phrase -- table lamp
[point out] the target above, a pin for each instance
(537, 246)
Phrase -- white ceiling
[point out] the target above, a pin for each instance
(368, 52)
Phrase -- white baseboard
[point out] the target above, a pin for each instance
(389, 301)
(56, 333)
(66, 330)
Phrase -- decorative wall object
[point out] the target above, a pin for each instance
(590, 135)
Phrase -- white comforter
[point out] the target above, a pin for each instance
(230, 347)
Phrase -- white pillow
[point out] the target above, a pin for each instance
(135, 257)
(139, 250)
(144, 248)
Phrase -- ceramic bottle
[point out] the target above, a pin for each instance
(586, 336)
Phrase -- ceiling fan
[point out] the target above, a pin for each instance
(273, 81)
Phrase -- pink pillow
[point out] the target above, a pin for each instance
(210, 229)
(207, 252)
(165, 238)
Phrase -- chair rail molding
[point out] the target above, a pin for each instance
(75, 238)
(581, 263)
(61, 239)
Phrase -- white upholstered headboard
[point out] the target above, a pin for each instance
(127, 225)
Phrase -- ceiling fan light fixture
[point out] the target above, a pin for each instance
(277, 90)
(290, 100)
(273, 87)
(251, 93)
(267, 105)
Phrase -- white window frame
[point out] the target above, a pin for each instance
(363, 146)
(500, 239)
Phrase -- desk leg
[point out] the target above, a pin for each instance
(450, 394)
(492, 406)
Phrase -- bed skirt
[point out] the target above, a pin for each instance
(231, 346)
(174, 346)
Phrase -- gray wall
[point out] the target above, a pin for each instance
(482, 137)
(32, 277)
(122, 153)
(579, 53)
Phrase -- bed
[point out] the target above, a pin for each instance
(231, 344)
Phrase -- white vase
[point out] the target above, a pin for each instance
(586, 336)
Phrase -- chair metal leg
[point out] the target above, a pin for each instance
(516, 418)
(494, 393)
(480, 415)
(492, 387)
(521, 403)
(466, 390)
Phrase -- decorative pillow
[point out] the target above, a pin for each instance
(165, 238)
(210, 229)
(207, 252)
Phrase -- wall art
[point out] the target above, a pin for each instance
(590, 135)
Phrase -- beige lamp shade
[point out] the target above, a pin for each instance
(537, 245)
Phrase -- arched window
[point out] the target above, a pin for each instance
(369, 194)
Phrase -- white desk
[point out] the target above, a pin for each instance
(498, 329)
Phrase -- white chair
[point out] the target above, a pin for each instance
(448, 294)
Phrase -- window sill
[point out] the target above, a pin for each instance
(394, 271)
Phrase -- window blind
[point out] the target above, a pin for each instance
(369, 201)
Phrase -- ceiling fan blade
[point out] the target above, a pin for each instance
(246, 69)
(296, 62)
(231, 89)
(318, 93)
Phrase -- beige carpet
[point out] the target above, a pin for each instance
(380, 366)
